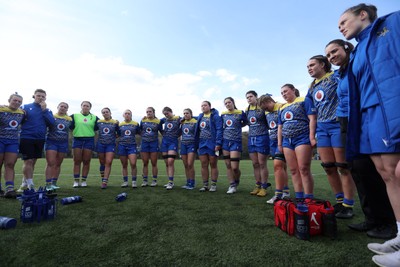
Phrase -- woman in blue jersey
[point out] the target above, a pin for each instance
(258, 144)
(84, 125)
(374, 99)
(330, 146)
(11, 117)
(232, 120)
(296, 137)
(127, 147)
(169, 144)
(56, 145)
(267, 103)
(188, 146)
(209, 134)
(150, 126)
(379, 221)
(106, 142)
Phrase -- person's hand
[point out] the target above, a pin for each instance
(43, 105)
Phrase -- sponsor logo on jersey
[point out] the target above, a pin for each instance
(148, 130)
(229, 123)
(85, 120)
(253, 120)
(186, 130)
(319, 95)
(60, 126)
(203, 124)
(272, 125)
(170, 125)
(128, 132)
(13, 123)
(106, 130)
(288, 115)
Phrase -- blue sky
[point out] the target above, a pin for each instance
(133, 54)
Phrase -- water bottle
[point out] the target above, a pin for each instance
(121, 197)
(329, 223)
(69, 200)
(7, 223)
(301, 222)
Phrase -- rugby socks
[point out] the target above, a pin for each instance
(191, 182)
(286, 190)
(258, 184)
(9, 186)
(49, 181)
(134, 178)
(205, 183)
(171, 179)
(76, 177)
(29, 181)
(84, 178)
(144, 178)
(299, 194)
(213, 182)
(155, 178)
(278, 193)
(339, 197)
(309, 196)
(348, 203)
(102, 168)
(54, 181)
(237, 182)
(233, 184)
(265, 185)
(125, 178)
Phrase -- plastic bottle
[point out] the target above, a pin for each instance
(302, 222)
(69, 200)
(7, 223)
(121, 197)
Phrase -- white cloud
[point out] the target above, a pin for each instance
(225, 75)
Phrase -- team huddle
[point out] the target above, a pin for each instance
(350, 114)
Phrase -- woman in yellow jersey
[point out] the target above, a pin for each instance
(84, 127)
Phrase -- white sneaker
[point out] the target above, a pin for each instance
(285, 195)
(169, 186)
(387, 260)
(124, 184)
(389, 246)
(145, 183)
(184, 186)
(23, 187)
(76, 184)
(213, 188)
(231, 190)
(203, 189)
(84, 184)
(134, 185)
(272, 200)
(153, 184)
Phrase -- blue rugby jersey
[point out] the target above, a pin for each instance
(272, 118)
(188, 131)
(60, 130)
(171, 127)
(10, 121)
(324, 96)
(294, 117)
(128, 132)
(257, 121)
(108, 130)
(233, 121)
(205, 127)
(149, 129)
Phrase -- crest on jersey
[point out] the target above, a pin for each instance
(60, 126)
(85, 120)
(319, 95)
(229, 123)
(148, 130)
(13, 124)
(288, 115)
(128, 132)
(272, 125)
(106, 130)
(170, 125)
(253, 120)
(186, 131)
(203, 124)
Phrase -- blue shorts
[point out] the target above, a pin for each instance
(9, 146)
(187, 148)
(231, 146)
(294, 142)
(125, 150)
(373, 133)
(149, 147)
(206, 147)
(328, 134)
(259, 144)
(58, 146)
(206, 151)
(83, 143)
(274, 151)
(168, 144)
(104, 148)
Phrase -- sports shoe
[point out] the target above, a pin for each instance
(22, 188)
(231, 190)
(204, 189)
(145, 183)
(262, 192)
(190, 187)
(55, 187)
(76, 184)
(50, 188)
(10, 194)
(169, 186)
(387, 260)
(124, 184)
(383, 231)
(134, 185)
(389, 246)
(285, 195)
(338, 207)
(154, 183)
(83, 184)
(103, 185)
(362, 226)
(184, 186)
(213, 188)
(272, 200)
(345, 213)
(255, 191)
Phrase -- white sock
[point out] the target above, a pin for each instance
(29, 181)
